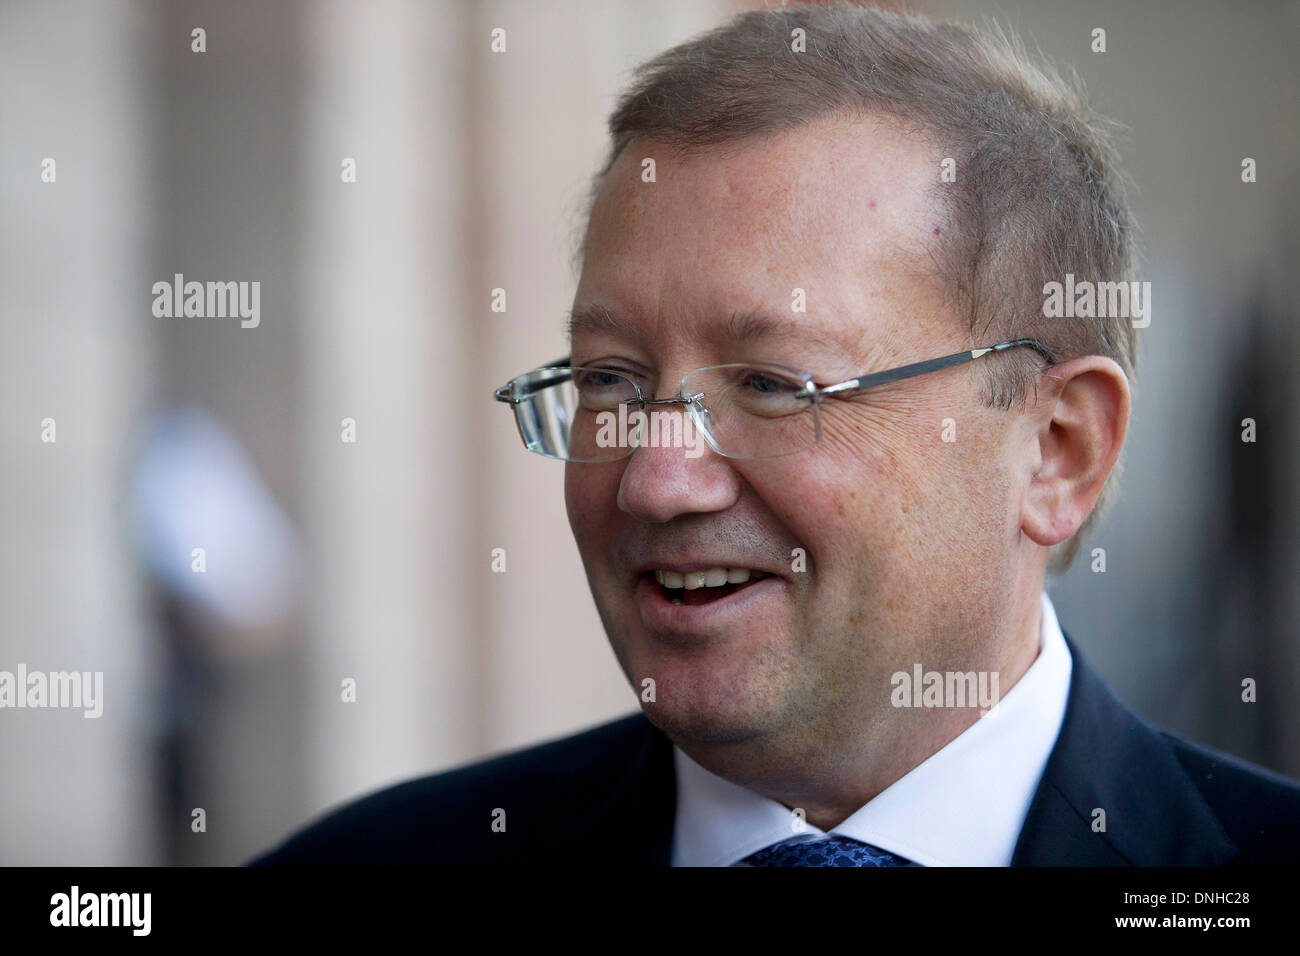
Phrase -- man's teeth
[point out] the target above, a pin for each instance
(712, 578)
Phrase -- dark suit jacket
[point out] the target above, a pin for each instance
(1168, 802)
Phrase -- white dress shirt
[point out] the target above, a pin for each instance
(963, 806)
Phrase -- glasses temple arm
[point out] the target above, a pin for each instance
(504, 393)
(932, 365)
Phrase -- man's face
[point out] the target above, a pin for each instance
(908, 540)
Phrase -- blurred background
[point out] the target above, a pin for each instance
(371, 560)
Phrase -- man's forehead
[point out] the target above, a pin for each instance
(750, 325)
(836, 170)
(722, 238)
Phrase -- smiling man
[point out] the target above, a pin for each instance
(917, 549)
(820, 242)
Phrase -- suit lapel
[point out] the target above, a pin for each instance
(628, 818)
(1107, 758)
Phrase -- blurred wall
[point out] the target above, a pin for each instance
(74, 350)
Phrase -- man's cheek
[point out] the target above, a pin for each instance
(873, 429)
(580, 502)
(593, 521)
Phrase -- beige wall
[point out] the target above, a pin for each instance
(71, 790)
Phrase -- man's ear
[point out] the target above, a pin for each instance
(1081, 423)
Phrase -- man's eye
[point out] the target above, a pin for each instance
(762, 384)
(605, 387)
(757, 392)
(601, 380)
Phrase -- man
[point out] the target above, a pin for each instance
(821, 443)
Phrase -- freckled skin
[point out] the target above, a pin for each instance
(915, 549)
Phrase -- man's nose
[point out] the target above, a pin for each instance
(662, 481)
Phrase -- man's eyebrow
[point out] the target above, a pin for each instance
(595, 319)
(755, 325)
(743, 325)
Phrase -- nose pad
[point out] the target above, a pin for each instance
(701, 419)
(636, 435)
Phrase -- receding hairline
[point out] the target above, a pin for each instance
(909, 129)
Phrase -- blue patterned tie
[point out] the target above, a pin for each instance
(828, 851)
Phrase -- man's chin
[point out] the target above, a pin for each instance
(696, 723)
(708, 694)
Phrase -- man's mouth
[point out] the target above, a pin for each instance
(704, 586)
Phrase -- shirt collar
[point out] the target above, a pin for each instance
(963, 806)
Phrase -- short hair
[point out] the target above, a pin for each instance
(1038, 193)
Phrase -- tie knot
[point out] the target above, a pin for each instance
(828, 851)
